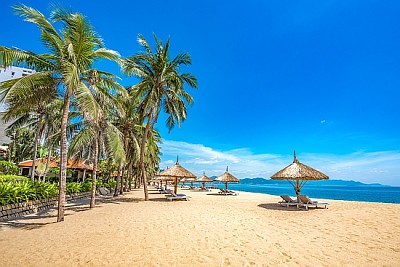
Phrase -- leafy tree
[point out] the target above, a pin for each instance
(161, 86)
(7, 167)
(21, 145)
(72, 53)
(28, 105)
(96, 129)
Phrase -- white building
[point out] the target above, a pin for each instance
(5, 75)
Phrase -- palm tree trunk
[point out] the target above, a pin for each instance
(84, 175)
(35, 150)
(130, 176)
(141, 158)
(123, 178)
(47, 163)
(63, 160)
(95, 160)
(118, 181)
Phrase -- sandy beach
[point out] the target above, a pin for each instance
(209, 230)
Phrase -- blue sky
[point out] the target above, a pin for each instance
(321, 77)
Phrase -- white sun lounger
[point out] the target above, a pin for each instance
(172, 196)
(306, 202)
(287, 201)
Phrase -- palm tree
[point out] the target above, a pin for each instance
(96, 128)
(160, 86)
(27, 98)
(128, 122)
(72, 53)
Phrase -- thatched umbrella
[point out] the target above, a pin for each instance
(176, 172)
(204, 179)
(298, 174)
(190, 180)
(227, 178)
(162, 179)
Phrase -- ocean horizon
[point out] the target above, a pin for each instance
(327, 189)
(366, 193)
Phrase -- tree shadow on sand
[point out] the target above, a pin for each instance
(221, 195)
(116, 200)
(276, 206)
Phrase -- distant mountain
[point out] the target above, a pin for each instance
(321, 182)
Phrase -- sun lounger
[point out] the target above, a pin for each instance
(307, 202)
(203, 189)
(172, 196)
(104, 191)
(227, 192)
(287, 201)
(163, 191)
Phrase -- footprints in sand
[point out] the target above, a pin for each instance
(282, 252)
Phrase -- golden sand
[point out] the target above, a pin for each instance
(209, 230)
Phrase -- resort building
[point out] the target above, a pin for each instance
(5, 75)
(79, 167)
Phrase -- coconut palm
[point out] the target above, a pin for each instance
(161, 85)
(96, 127)
(21, 146)
(72, 53)
(28, 100)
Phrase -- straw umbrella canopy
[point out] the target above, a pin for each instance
(227, 178)
(298, 174)
(176, 172)
(190, 180)
(204, 179)
(162, 179)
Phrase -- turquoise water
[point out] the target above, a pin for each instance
(368, 193)
(385, 194)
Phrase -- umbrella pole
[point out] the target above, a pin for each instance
(297, 189)
(176, 185)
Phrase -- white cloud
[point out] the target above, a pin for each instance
(369, 167)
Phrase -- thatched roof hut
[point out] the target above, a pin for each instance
(299, 173)
(177, 172)
(226, 178)
(204, 179)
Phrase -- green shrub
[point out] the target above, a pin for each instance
(99, 183)
(86, 187)
(44, 190)
(16, 192)
(12, 178)
(26, 190)
(111, 184)
(8, 167)
(74, 187)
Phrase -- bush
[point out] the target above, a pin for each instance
(45, 190)
(8, 167)
(74, 187)
(86, 187)
(13, 178)
(26, 190)
(111, 184)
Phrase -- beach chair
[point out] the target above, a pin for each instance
(172, 196)
(287, 201)
(163, 191)
(233, 193)
(104, 191)
(306, 202)
(227, 192)
(221, 191)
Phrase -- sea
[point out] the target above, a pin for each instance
(367, 193)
